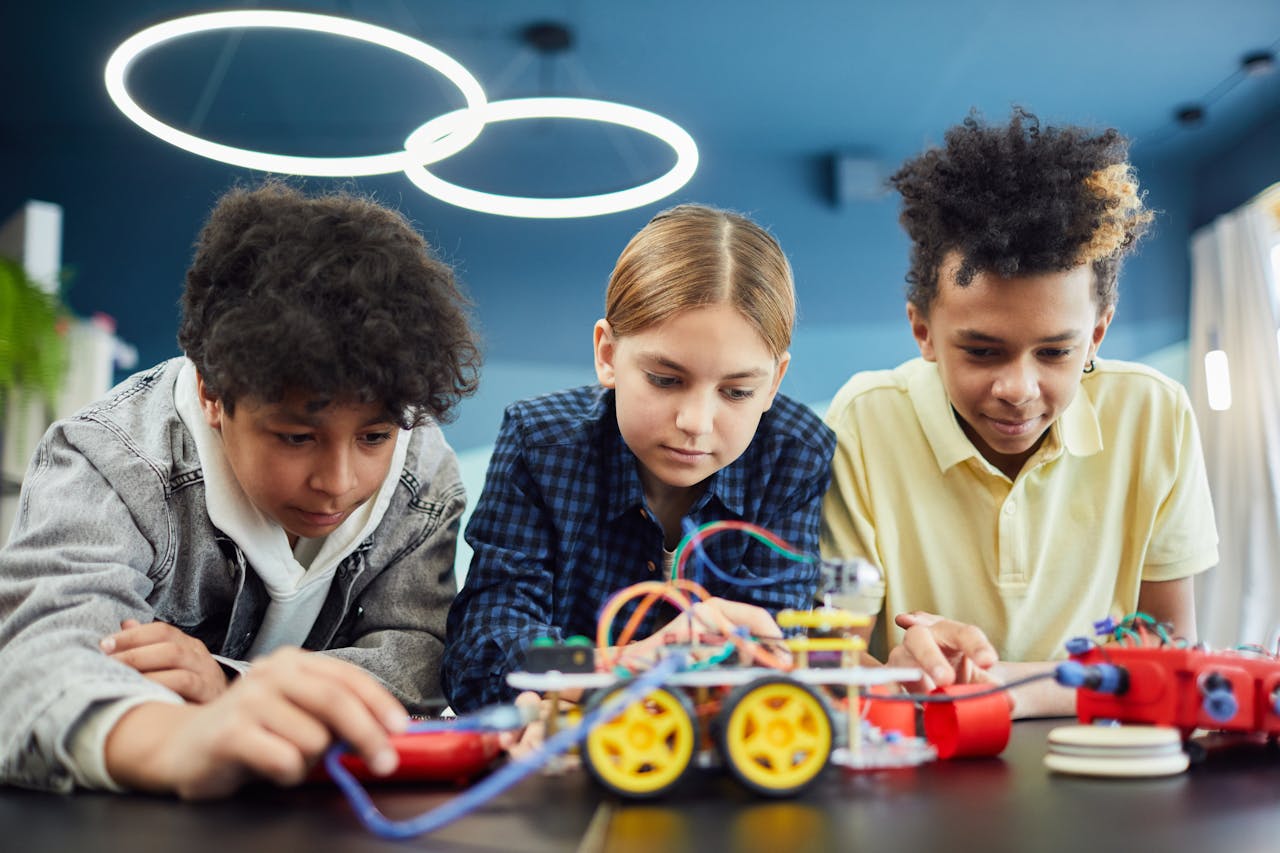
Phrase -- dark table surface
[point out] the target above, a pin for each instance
(1230, 801)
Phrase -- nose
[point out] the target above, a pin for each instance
(334, 472)
(1017, 383)
(695, 414)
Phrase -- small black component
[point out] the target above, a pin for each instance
(560, 657)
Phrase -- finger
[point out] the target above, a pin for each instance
(133, 634)
(755, 619)
(371, 693)
(291, 723)
(923, 646)
(343, 698)
(185, 683)
(902, 658)
(968, 640)
(528, 699)
(917, 617)
(152, 658)
(265, 753)
(531, 740)
(971, 673)
(938, 646)
(705, 617)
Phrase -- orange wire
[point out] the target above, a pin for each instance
(670, 591)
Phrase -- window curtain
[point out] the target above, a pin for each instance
(1233, 309)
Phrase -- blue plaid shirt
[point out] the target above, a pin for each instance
(562, 525)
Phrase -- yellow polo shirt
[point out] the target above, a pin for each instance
(1115, 495)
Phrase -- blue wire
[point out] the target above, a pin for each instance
(701, 558)
(500, 779)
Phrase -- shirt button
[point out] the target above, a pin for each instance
(652, 566)
(1010, 508)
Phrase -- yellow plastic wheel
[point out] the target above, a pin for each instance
(644, 751)
(775, 735)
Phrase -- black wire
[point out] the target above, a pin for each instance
(933, 697)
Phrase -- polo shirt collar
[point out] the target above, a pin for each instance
(1079, 426)
(1076, 430)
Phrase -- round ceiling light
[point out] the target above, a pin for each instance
(464, 132)
(434, 140)
(423, 141)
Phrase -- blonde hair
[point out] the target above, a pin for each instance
(1124, 215)
(692, 256)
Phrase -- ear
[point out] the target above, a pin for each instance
(606, 349)
(1100, 331)
(920, 331)
(784, 361)
(210, 405)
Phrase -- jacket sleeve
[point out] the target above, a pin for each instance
(395, 626)
(507, 599)
(77, 565)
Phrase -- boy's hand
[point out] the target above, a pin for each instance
(169, 657)
(946, 652)
(273, 723)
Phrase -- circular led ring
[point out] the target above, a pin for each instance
(421, 143)
(466, 129)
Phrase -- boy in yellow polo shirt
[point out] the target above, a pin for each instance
(1009, 483)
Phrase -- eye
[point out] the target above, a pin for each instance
(376, 438)
(1055, 354)
(294, 439)
(737, 395)
(980, 352)
(660, 381)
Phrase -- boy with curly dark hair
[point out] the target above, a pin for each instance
(1009, 479)
(243, 554)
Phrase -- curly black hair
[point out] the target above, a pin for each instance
(333, 295)
(1020, 200)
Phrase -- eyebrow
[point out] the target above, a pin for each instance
(311, 415)
(663, 361)
(975, 335)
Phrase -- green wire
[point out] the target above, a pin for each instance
(684, 543)
(714, 660)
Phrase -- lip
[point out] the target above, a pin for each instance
(686, 456)
(1013, 429)
(322, 519)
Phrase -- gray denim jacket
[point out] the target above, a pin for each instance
(112, 525)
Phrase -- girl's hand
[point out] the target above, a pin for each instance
(719, 615)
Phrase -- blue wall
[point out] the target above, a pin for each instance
(133, 207)
(1237, 173)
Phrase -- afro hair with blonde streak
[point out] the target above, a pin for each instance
(1020, 200)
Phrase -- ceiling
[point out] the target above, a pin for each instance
(746, 78)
